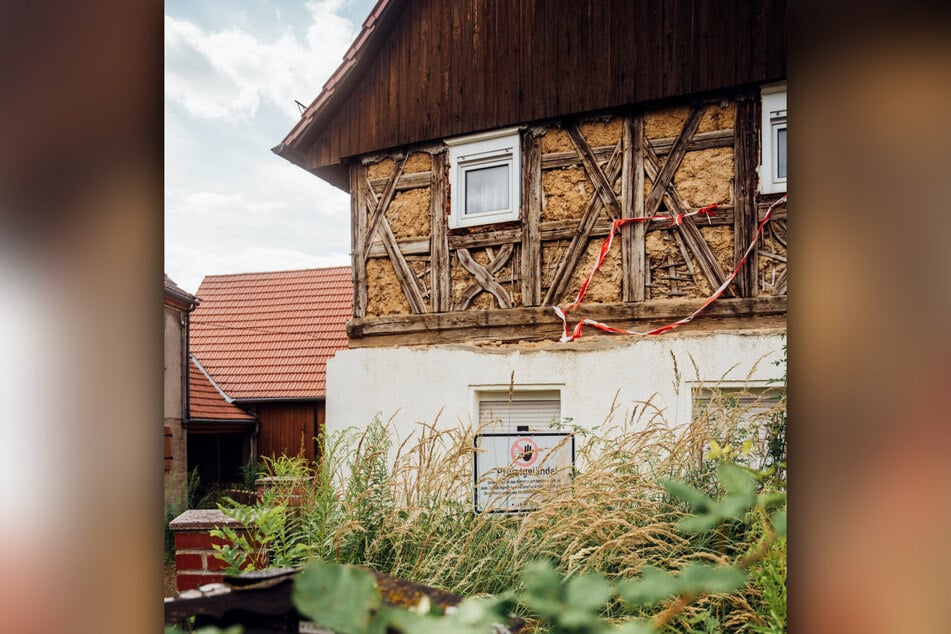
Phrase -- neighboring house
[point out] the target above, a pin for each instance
(221, 435)
(263, 340)
(178, 305)
(488, 146)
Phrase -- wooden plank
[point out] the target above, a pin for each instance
(480, 239)
(381, 204)
(439, 237)
(485, 279)
(531, 232)
(407, 246)
(358, 237)
(496, 264)
(657, 312)
(744, 192)
(579, 242)
(405, 182)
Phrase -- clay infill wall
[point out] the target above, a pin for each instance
(705, 176)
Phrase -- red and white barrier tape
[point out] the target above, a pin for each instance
(606, 246)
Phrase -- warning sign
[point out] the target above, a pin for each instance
(511, 469)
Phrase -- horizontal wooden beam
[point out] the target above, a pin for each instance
(465, 325)
(550, 230)
(554, 160)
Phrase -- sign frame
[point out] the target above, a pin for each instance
(514, 436)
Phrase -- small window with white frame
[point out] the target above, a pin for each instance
(772, 175)
(484, 178)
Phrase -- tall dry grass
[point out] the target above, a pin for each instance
(407, 509)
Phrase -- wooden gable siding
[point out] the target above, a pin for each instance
(448, 68)
(286, 428)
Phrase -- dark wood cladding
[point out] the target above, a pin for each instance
(448, 68)
(285, 426)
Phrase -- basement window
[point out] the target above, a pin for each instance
(484, 178)
(772, 174)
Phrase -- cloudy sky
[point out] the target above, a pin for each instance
(232, 73)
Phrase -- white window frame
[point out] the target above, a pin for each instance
(773, 120)
(478, 151)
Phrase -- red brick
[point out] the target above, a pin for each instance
(196, 540)
(188, 581)
(188, 561)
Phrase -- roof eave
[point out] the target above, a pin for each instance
(375, 28)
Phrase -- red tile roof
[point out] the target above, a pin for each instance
(206, 402)
(269, 335)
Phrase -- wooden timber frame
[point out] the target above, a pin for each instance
(642, 170)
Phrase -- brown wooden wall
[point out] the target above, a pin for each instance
(448, 68)
(284, 425)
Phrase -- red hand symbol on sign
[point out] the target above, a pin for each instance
(524, 452)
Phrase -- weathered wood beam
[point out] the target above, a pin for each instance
(555, 160)
(434, 325)
(417, 180)
(633, 249)
(484, 278)
(441, 298)
(532, 212)
(358, 237)
(381, 204)
(496, 264)
(744, 192)
(485, 238)
(405, 275)
(579, 242)
(688, 228)
(599, 181)
(663, 179)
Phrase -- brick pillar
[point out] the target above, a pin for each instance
(195, 561)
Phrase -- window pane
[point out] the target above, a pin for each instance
(487, 189)
(781, 153)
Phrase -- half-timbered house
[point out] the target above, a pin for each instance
(489, 146)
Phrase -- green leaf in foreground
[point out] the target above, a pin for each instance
(341, 598)
(687, 493)
(588, 592)
(654, 585)
(779, 522)
(704, 578)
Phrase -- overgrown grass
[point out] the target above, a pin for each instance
(413, 517)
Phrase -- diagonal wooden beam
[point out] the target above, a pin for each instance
(688, 229)
(380, 206)
(665, 176)
(579, 243)
(496, 264)
(404, 273)
(600, 182)
(485, 278)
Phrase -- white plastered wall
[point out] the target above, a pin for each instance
(418, 383)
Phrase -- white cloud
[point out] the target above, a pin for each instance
(226, 74)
